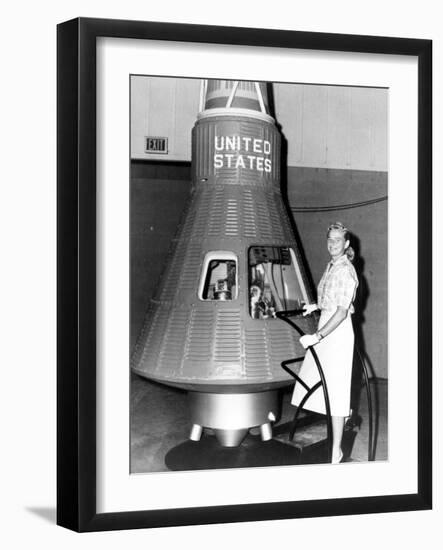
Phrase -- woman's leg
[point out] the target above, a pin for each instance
(338, 423)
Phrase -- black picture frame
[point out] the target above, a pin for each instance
(77, 249)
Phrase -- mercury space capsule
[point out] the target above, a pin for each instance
(211, 326)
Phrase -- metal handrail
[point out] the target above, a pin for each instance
(371, 442)
(284, 316)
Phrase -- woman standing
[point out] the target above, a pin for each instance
(334, 339)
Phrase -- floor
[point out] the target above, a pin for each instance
(160, 429)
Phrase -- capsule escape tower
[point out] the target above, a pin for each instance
(211, 327)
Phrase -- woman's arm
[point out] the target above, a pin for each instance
(338, 317)
(312, 339)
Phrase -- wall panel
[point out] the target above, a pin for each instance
(324, 126)
(163, 107)
(338, 138)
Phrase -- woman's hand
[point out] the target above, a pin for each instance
(309, 308)
(309, 340)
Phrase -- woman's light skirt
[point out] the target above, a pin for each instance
(335, 352)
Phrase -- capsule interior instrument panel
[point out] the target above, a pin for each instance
(211, 325)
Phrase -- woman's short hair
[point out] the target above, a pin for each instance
(339, 226)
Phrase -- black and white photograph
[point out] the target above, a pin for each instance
(221, 302)
(258, 274)
(244, 275)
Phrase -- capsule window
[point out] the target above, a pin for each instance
(275, 281)
(219, 277)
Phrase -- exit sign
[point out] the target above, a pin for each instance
(156, 145)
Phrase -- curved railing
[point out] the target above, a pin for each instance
(285, 316)
(371, 442)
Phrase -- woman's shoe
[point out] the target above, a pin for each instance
(336, 459)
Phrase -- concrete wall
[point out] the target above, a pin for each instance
(158, 195)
